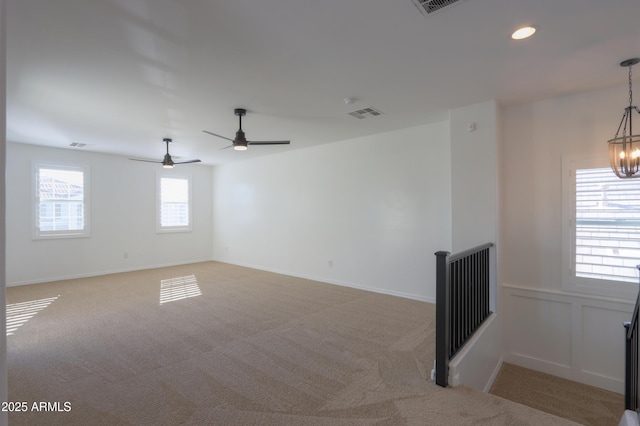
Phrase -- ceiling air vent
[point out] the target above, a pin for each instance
(364, 113)
(427, 7)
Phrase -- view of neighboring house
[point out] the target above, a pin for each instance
(61, 204)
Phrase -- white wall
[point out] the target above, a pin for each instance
(474, 193)
(580, 338)
(367, 212)
(123, 197)
(474, 175)
(3, 317)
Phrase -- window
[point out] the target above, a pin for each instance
(602, 229)
(61, 207)
(174, 204)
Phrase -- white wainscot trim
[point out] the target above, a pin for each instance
(478, 362)
(576, 337)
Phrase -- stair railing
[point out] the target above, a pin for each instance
(462, 302)
(631, 359)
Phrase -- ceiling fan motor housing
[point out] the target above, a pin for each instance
(240, 137)
(168, 161)
(240, 143)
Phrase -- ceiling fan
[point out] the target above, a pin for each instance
(167, 162)
(240, 142)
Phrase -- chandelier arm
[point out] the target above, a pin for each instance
(622, 121)
(626, 148)
(626, 120)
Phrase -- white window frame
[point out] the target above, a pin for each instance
(570, 282)
(168, 229)
(37, 233)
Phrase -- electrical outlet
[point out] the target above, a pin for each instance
(331, 263)
(125, 255)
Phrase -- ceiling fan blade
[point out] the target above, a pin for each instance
(268, 142)
(146, 161)
(228, 146)
(187, 162)
(220, 136)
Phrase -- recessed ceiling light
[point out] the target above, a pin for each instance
(524, 32)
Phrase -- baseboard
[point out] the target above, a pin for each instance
(246, 265)
(566, 372)
(494, 375)
(333, 282)
(105, 272)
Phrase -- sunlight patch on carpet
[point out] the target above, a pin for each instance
(19, 314)
(179, 288)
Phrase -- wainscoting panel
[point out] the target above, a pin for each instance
(603, 339)
(533, 320)
(575, 337)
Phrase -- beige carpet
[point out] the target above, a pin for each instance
(217, 344)
(581, 403)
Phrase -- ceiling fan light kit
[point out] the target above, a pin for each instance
(624, 150)
(240, 143)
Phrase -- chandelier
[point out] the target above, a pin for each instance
(624, 150)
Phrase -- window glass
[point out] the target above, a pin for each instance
(174, 204)
(607, 225)
(61, 207)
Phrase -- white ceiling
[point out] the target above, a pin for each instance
(119, 75)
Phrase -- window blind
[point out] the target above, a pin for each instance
(174, 202)
(607, 225)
